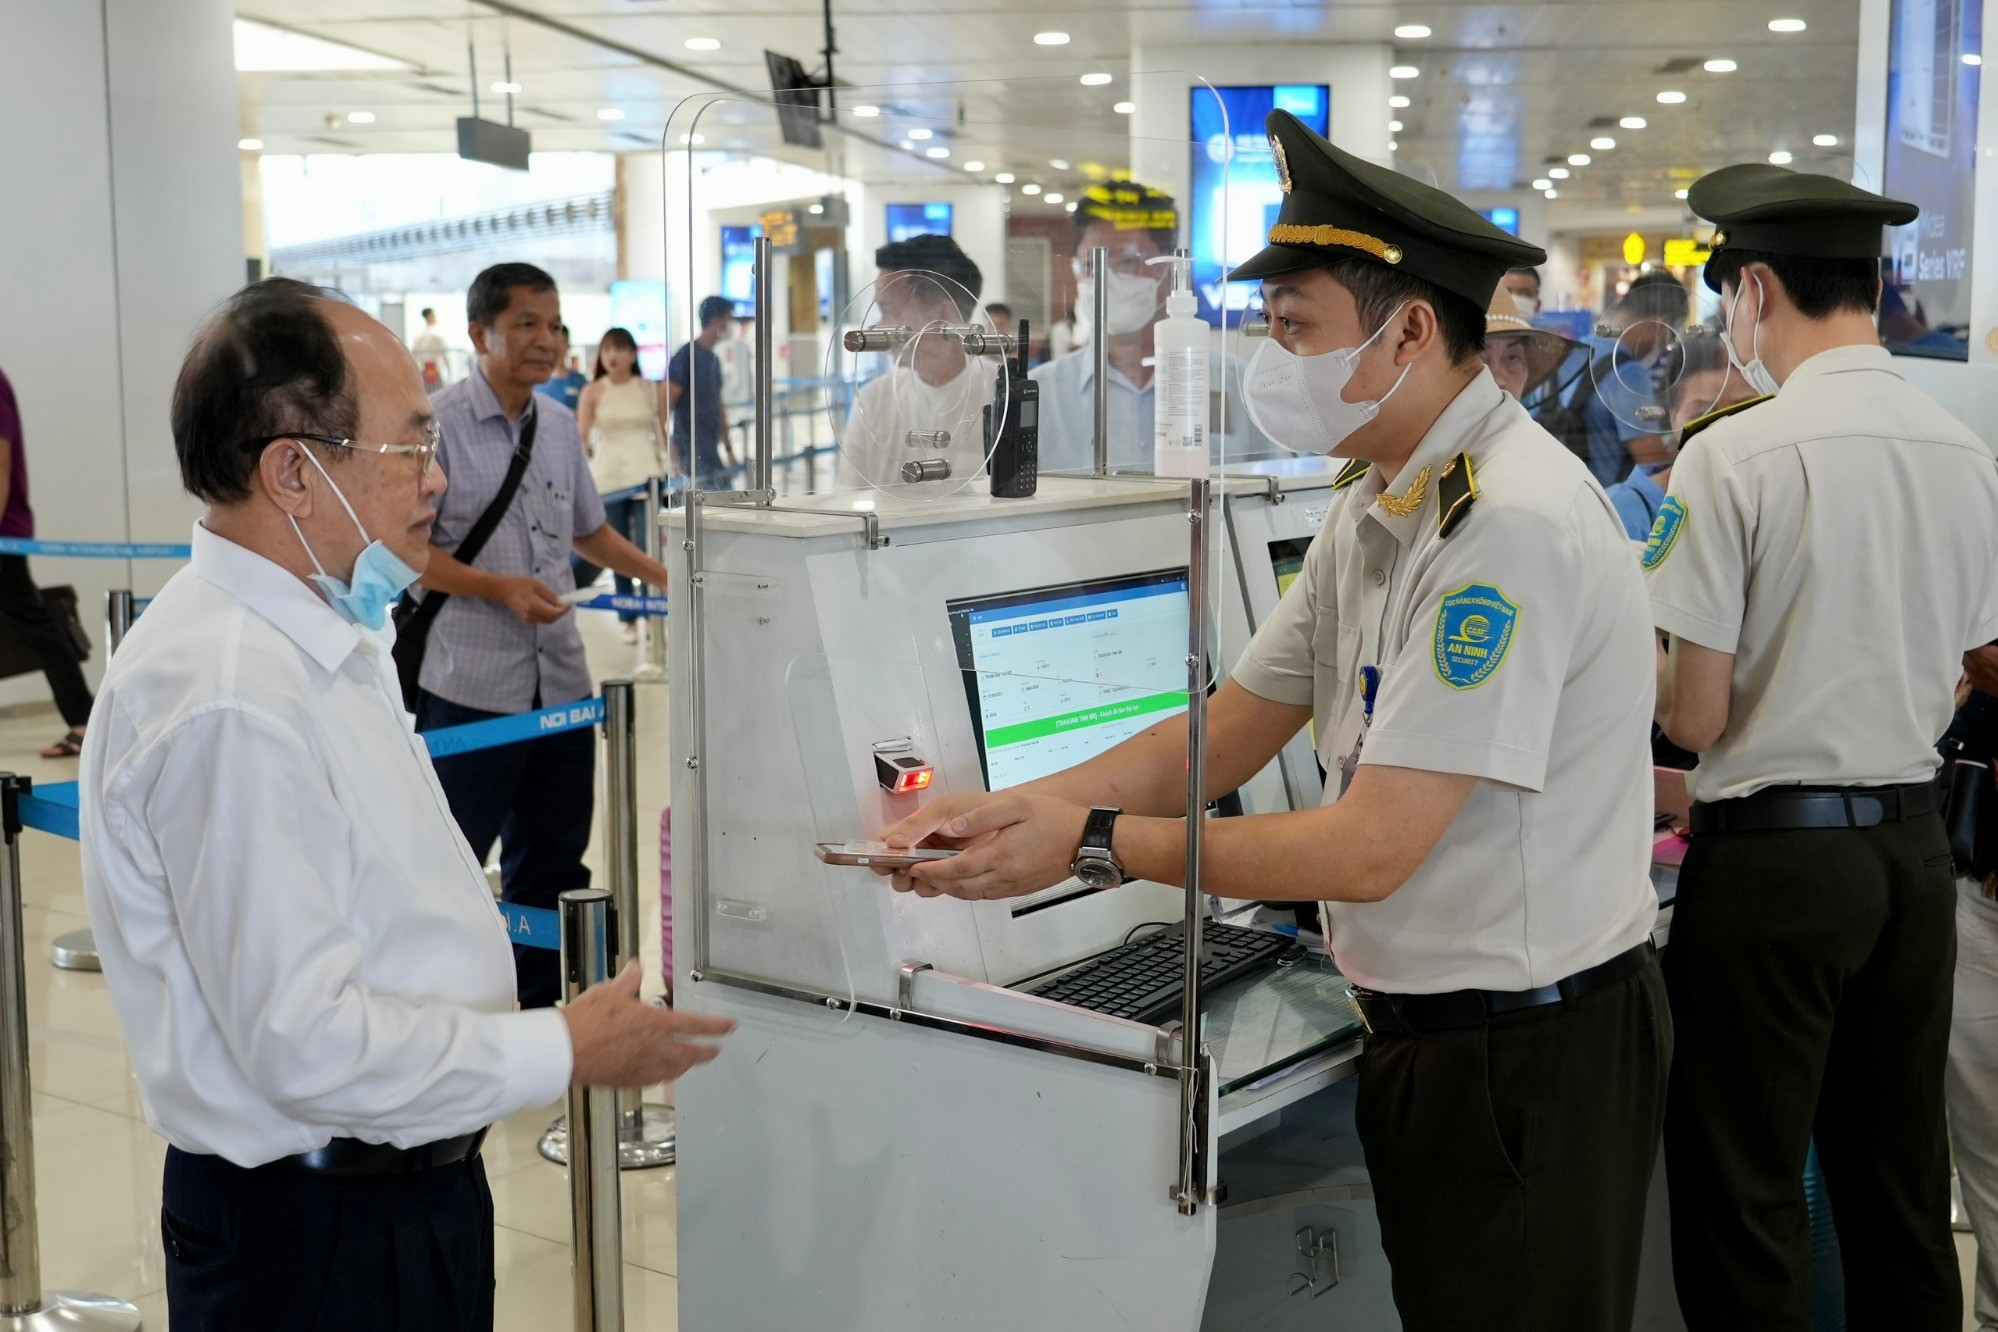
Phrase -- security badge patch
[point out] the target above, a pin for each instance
(1473, 630)
(1665, 531)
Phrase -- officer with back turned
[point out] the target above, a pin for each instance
(1822, 563)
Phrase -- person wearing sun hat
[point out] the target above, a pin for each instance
(1822, 564)
(1521, 357)
(1470, 636)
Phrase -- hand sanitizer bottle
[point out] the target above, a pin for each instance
(1180, 351)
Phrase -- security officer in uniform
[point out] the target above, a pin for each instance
(1471, 612)
(1824, 559)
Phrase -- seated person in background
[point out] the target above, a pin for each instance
(1522, 358)
(925, 282)
(1705, 388)
(1134, 224)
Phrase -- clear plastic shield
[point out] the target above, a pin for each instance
(947, 565)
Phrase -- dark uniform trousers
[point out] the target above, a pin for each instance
(1810, 976)
(22, 606)
(1510, 1161)
(537, 797)
(270, 1250)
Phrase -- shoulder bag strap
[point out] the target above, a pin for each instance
(424, 611)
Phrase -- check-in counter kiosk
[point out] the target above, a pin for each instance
(900, 1130)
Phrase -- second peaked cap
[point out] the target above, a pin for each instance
(1338, 205)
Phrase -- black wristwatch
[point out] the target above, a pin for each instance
(1094, 864)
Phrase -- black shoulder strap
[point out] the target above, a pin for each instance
(1350, 473)
(1698, 424)
(422, 612)
(1456, 492)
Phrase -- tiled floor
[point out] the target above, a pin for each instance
(97, 1165)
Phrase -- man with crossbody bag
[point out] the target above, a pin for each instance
(492, 635)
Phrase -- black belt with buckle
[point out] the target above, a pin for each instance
(1781, 808)
(351, 1157)
(1414, 1014)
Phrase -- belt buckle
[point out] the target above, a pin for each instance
(1359, 998)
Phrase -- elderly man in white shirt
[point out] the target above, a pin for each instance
(314, 981)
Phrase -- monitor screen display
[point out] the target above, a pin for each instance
(1505, 219)
(1236, 149)
(1287, 559)
(738, 268)
(1935, 50)
(917, 219)
(1056, 675)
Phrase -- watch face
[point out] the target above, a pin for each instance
(1096, 873)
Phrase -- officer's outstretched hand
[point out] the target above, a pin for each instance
(1009, 844)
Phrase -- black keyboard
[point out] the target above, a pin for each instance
(1142, 980)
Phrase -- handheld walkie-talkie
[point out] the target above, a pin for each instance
(1013, 426)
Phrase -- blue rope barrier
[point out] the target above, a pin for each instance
(95, 550)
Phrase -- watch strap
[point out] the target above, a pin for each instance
(1096, 831)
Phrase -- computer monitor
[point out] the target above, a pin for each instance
(1056, 675)
(1287, 560)
(918, 219)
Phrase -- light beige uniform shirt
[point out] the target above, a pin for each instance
(1841, 540)
(1518, 650)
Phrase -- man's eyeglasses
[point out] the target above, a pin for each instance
(424, 453)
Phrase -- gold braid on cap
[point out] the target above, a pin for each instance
(1287, 233)
(1282, 163)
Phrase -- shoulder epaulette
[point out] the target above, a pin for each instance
(1697, 424)
(1456, 492)
(1350, 473)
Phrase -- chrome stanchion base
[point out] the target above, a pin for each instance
(69, 1311)
(653, 1141)
(75, 951)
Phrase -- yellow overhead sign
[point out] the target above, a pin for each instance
(1685, 253)
(1633, 249)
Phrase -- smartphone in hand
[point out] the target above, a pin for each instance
(878, 854)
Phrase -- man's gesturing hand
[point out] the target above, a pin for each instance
(1010, 844)
(531, 600)
(621, 1041)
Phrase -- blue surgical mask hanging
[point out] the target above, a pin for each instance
(380, 576)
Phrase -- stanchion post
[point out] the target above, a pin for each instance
(23, 1305)
(117, 618)
(653, 626)
(1099, 352)
(595, 1211)
(77, 950)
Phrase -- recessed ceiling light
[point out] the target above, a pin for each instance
(1972, 58)
(1578, 159)
(1030, 188)
(1671, 97)
(1825, 140)
(974, 166)
(1633, 122)
(939, 152)
(1069, 206)
(1125, 108)
(1057, 164)
(610, 113)
(1543, 184)
(816, 209)
(262, 49)
(1050, 39)
(1720, 67)
(506, 87)
(866, 112)
(704, 43)
(1005, 178)
(1680, 194)
(1394, 127)
(1780, 157)
(919, 134)
(1398, 102)
(1551, 194)
(1787, 25)
(250, 145)
(1560, 173)
(1393, 147)
(1404, 72)
(1096, 80)
(1602, 143)
(1412, 32)
(1052, 198)
(361, 117)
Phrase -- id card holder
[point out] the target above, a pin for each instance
(1370, 684)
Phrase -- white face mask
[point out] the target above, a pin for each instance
(1300, 402)
(1754, 372)
(1133, 302)
(1529, 306)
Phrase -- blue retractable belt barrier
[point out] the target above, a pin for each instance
(449, 740)
(612, 601)
(534, 927)
(52, 809)
(95, 550)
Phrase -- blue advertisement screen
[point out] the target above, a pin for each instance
(917, 219)
(1933, 69)
(1231, 223)
(1505, 219)
(738, 268)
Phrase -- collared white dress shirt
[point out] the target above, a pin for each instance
(1841, 541)
(1517, 650)
(299, 943)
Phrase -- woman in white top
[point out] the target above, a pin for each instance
(621, 415)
